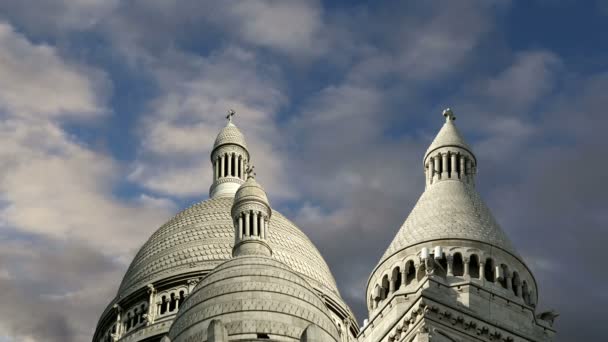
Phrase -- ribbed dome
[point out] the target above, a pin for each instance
(251, 191)
(449, 210)
(448, 136)
(202, 236)
(230, 135)
(253, 295)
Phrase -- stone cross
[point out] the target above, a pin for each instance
(449, 115)
(231, 113)
(250, 172)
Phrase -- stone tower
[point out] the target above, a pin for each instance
(451, 273)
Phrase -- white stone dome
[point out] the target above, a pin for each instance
(230, 135)
(202, 236)
(251, 191)
(253, 296)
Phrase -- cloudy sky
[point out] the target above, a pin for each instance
(108, 110)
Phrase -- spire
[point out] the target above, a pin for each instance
(449, 157)
(229, 159)
(251, 213)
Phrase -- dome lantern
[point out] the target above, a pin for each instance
(230, 159)
(251, 213)
(449, 157)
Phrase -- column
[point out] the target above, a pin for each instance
(222, 166)
(240, 225)
(229, 166)
(152, 292)
(453, 168)
(403, 275)
(429, 171)
(436, 161)
(466, 272)
(481, 271)
(468, 170)
(255, 224)
(247, 231)
(263, 227)
(242, 162)
(461, 175)
(444, 165)
(391, 285)
(450, 270)
(240, 175)
(118, 320)
(508, 280)
(214, 170)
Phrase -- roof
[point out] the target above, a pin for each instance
(253, 295)
(449, 209)
(230, 135)
(202, 236)
(448, 136)
(251, 191)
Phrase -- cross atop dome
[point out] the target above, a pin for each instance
(449, 115)
(231, 113)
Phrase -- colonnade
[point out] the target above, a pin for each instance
(449, 165)
(229, 165)
(252, 223)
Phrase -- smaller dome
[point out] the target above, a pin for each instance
(230, 135)
(253, 296)
(251, 191)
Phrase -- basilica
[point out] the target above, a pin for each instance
(231, 268)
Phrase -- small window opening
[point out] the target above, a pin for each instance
(264, 336)
(458, 265)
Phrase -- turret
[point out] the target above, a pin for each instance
(230, 159)
(449, 157)
(251, 213)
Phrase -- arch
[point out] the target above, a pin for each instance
(474, 266)
(457, 265)
(385, 287)
(515, 283)
(504, 275)
(442, 266)
(396, 278)
(488, 270)
(172, 302)
(525, 292)
(421, 273)
(163, 305)
(410, 270)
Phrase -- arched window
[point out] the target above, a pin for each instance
(457, 265)
(233, 166)
(411, 272)
(504, 275)
(396, 278)
(441, 267)
(385, 287)
(488, 270)
(474, 266)
(515, 284)
(172, 303)
(525, 292)
(421, 272)
(163, 305)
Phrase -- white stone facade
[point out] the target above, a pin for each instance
(232, 268)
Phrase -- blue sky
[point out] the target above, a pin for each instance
(108, 110)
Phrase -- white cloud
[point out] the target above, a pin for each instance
(36, 81)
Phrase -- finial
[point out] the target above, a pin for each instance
(250, 172)
(231, 113)
(449, 115)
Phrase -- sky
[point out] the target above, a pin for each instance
(109, 109)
